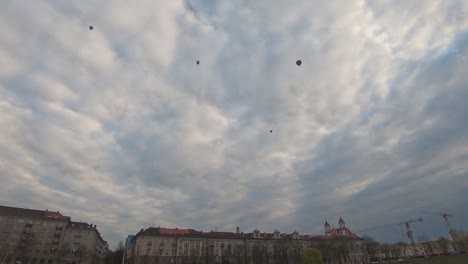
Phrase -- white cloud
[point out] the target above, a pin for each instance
(120, 127)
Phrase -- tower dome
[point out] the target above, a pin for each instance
(341, 223)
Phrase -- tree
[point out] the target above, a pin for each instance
(444, 244)
(459, 239)
(118, 254)
(373, 250)
(312, 256)
(24, 248)
(423, 238)
(4, 254)
(82, 254)
(61, 253)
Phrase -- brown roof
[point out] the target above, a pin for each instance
(151, 231)
(224, 235)
(80, 225)
(56, 215)
(83, 225)
(155, 231)
(31, 212)
(173, 231)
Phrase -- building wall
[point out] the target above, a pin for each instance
(39, 237)
(148, 249)
(83, 244)
(43, 237)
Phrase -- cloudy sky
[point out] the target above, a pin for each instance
(118, 126)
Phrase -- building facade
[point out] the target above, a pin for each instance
(177, 246)
(401, 250)
(83, 243)
(30, 236)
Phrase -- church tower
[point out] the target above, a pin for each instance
(327, 228)
(341, 223)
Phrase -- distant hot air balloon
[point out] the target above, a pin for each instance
(198, 62)
(91, 27)
(298, 62)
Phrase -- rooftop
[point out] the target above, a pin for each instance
(157, 231)
(32, 212)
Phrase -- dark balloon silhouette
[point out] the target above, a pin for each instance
(198, 62)
(298, 62)
(271, 131)
(91, 27)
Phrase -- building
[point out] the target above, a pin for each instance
(401, 250)
(83, 241)
(128, 241)
(30, 236)
(177, 246)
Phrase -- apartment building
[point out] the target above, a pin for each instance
(177, 246)
(29, 236)
(83, 241)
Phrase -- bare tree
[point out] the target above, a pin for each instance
(4, 254)
(444, 244)
(423, 238)
(62, 253)
(295, 253)
(82, 254)
(256, 253)
(238, 256)
(25, 247)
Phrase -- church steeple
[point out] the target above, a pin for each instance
(327, 228)
(341, 223)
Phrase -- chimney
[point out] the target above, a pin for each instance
(237, 230)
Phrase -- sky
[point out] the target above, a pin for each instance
(120, 127)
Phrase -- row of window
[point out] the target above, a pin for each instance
(31, 222)
(40, 261)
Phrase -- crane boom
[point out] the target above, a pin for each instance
(445, 216)
(441, 214)
(390, 225)
(409, 233)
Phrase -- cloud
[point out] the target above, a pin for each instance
(120, 127)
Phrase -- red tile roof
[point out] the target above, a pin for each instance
(56, 215)
(173, 231)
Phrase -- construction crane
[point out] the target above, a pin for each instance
(445, 216)
(409, 233)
